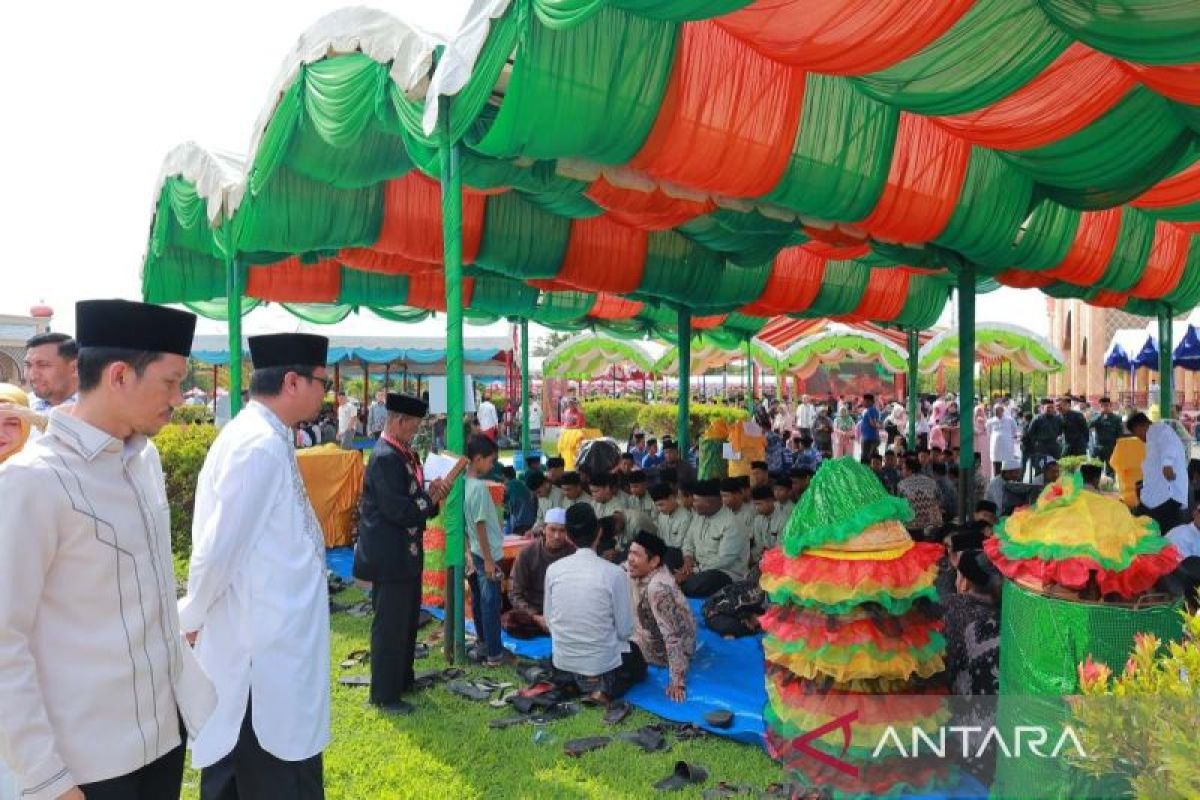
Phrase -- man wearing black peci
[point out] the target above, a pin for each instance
(395, 507)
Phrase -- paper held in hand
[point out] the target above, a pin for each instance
(443, 465)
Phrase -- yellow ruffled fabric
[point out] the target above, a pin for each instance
(1079, 520)
(861, 665)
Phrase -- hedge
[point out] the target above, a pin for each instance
(182, 448)
(619, 418)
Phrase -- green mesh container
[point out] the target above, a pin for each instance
(712, 465)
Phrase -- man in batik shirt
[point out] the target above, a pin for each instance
(664, 627)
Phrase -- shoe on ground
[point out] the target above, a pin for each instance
(400, 708)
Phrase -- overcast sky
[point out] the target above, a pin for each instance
(96, 95)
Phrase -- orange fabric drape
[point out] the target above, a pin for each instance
(1106, 298)
(1179, 82)
(611, 306)
(1092, 249)
(884, 297)
(367, 260)
(1070, 94)
(792, 286)
(651, 211)
(289, 281)
(706, 323)
(728, 121)
(1174, 190)
(1164, 266)
(603, 256)
(842, 37)
(1024, 279)
(923, 183)
(412, 220)
(834, 251)
(783, 331)
(428, 290)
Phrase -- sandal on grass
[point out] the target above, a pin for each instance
(685, 775)
(355, 680)
(467, 690)
(647, 738)
(724, 789)
(507, 722)
(617, 712)
(356, 658)
(577, 747)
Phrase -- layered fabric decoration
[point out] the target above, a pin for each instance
(1081, 540)
(852, 623)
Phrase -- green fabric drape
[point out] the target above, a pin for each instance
(927, 297)
(319, 313)
(1047, 237)
(1146, 31)
(742, 237)
(176, 275)
(503, 297)
(218, 310)
(520, 239)
(592, 91)
(1097, 167)
(843, 149)
(369, 288)
(994, 49)
(293, 214)
(993, 205)
(1134, 241)
(402, 314)
(568, 13)
(841, 290)
(556, 308)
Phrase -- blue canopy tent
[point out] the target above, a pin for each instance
(1148, 356)
(1117, 358)
(1187, 352)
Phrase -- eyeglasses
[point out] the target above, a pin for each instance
(327, 382)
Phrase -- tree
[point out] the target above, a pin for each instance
(546, 344)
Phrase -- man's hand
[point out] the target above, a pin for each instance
(439, 490)
(540, 621)
(1169, 473)
(190, 638)
(491, 571)
(677, 691)
(74, 793)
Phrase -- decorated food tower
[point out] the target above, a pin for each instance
(852, 620)
(1081, 574)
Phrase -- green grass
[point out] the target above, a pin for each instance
(446, 750)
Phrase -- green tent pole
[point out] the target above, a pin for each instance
(524, 390)
(966, 391)
(913, 377)
(233, 286)
(1166, 372)
(749, 381)
(452, 510)
(683, 332)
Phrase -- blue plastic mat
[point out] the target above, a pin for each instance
(340, 561)
(725, 675)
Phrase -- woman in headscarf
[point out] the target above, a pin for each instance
(979, 422)
(16, 419)
(843, 432)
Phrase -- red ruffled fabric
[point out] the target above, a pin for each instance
(873, 777)
(873, 708)
(793, 624)
(909, 570)
(1141, 574)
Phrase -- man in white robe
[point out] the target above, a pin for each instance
(257, 602)
(95, 677)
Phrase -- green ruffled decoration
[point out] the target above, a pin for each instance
(842, 654)
(843, 500)
(1150, 544)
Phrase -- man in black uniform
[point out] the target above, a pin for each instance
(1074, 428)
(1108, 427)
(395, 507)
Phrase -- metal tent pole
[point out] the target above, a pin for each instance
(1166, 372)
(524, 391)
(966, 391)
(683, 332)
(233, 286)
(452, 511)
(749, 381)
(913, 376)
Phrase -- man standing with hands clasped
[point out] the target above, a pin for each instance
(96, 683)
(257, 605)
(390, 551)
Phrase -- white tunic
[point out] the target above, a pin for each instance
(94, 674)
(257, 593)
(1164, 448)
(1002, 438)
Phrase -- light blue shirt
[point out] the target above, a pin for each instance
(480, 508)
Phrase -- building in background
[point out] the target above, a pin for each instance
(14, 332)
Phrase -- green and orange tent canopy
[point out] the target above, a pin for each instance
(625, 158)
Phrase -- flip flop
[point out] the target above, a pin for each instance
(355, 680)
(650, 740)
(534, 673)
(421, 650)
(719, 719)
(426, 679)
(501, 699)
(577, 747)
(356, 658)
(467, 690)
(685, 774)
(686, 731)
(617, 711)
(724, 789)
(537, 689)
(507, 722)
(450, 673)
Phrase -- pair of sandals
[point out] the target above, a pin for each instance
(358, 658)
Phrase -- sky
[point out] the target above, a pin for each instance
(97, 95)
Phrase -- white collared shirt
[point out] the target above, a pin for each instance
(1163, 448)
(94, 673)
(589, 611)
(1186, 539)
(257, 593)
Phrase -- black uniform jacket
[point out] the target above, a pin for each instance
(392, 517)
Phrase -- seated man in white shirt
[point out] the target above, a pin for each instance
(588, 608)
(1164, 471)
(1186, 537)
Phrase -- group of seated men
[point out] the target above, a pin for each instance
(614, 559)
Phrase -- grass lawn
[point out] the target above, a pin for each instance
(446, 750)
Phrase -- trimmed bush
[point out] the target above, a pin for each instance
(182, 449)
(191, 415)
(616, 418)
(659, 419)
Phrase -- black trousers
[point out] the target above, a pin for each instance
(728, 625)
(251, 773)
(158, 780)
(703, 584)
(614, 683)
(394, 638)
(1166, 515)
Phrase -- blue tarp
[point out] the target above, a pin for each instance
(1187, 352)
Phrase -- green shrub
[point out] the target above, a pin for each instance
(191, 415)
(616, 418)
(660, 419)
(182, 449)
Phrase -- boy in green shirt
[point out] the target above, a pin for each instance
(486, 541)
